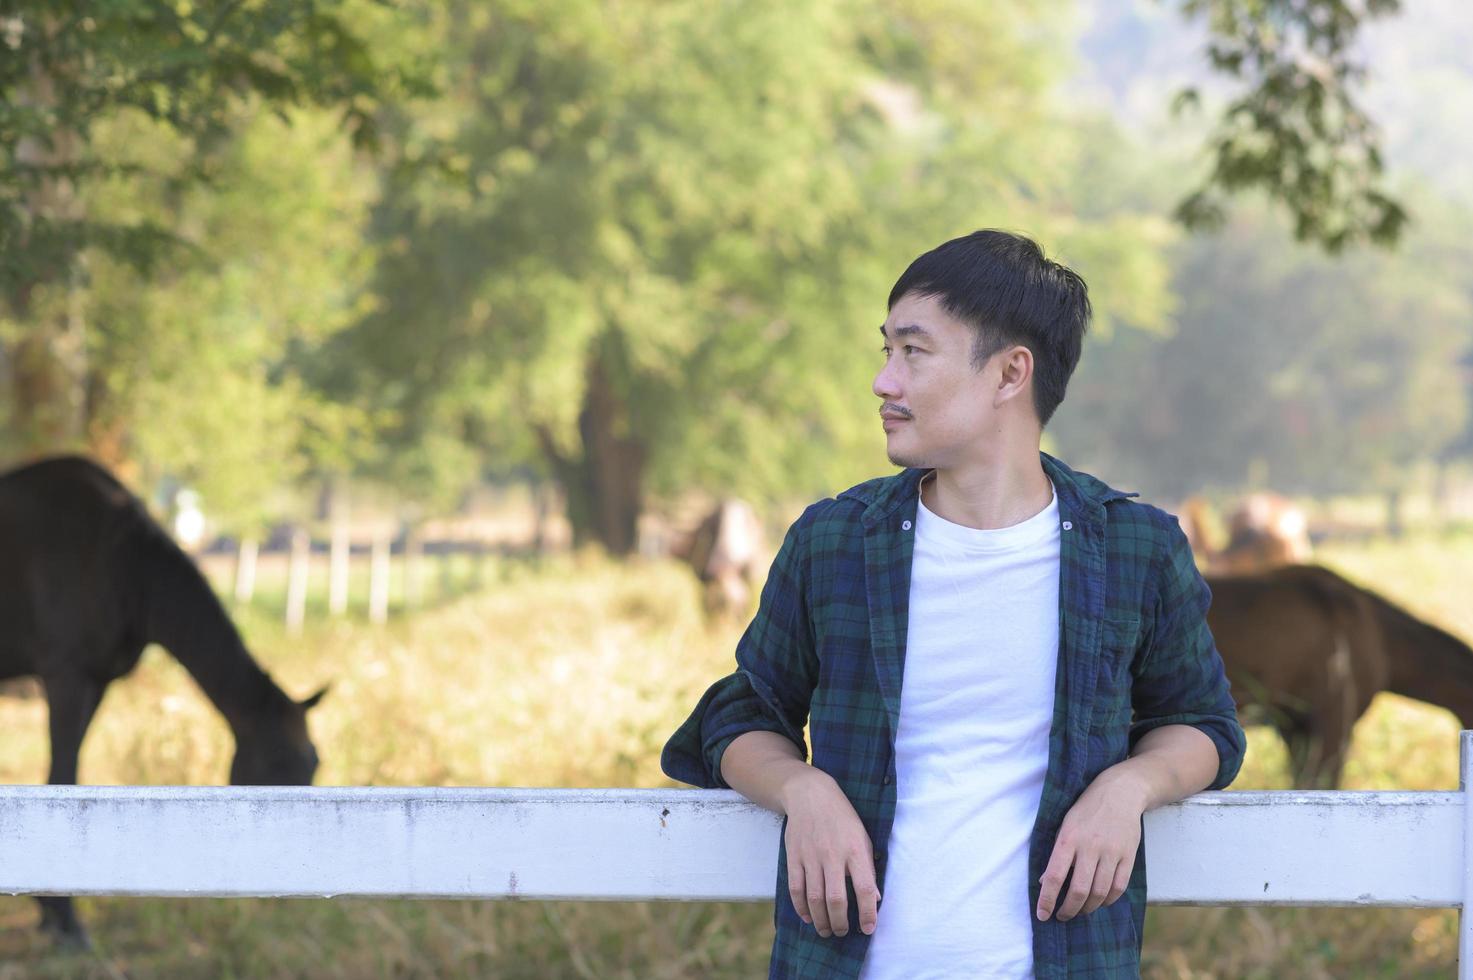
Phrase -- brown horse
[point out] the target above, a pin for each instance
(726, 551)
(1264, 531)
(1306, 651)
(87, 580)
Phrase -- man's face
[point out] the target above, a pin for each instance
(937, 410)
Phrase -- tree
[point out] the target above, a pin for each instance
(662, 232)
(1290, 370)
(1297, 132)
(195, 370)
(179, 72)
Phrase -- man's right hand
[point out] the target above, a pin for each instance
(826, 842)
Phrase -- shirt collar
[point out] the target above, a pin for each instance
(1080, 494)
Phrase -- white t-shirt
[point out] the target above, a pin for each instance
(971, 750)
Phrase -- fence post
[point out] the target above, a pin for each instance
(1465, 921)
(245, 571)
(296, 582)
(337, 576)
(378, 579)
(414, 553)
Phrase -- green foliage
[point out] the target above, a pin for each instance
(180, 214)
(72, 67)
(1297, 132)
(702, 208)
(616, 245)
(1288, 370)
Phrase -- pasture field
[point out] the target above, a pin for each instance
(572, 672)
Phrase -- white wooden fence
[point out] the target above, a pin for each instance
(1407, 849)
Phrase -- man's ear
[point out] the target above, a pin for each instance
(1016, 374)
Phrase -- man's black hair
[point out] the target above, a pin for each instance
(1003, 286)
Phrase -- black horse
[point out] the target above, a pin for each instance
(87, 580)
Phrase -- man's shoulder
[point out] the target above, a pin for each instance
(850, 506)
(881, 489)
(846, 514)
(1125, 513)
(1141, 516)
(1145, 544)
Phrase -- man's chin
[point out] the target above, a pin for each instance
(904, 461)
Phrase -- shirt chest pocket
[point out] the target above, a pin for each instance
(1118, 641)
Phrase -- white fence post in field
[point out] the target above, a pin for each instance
(378, 579)
(414, 567)
(1465, 921)
(338, 564)
(296, 581)
(245, 571)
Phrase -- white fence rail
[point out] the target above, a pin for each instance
(1231, 848)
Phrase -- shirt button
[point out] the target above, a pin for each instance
(905, 525)
(1068, 526)
(886, 780)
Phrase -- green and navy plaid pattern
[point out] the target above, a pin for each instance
(827, 649)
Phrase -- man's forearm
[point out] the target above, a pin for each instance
(760, 765)
(1169, 763)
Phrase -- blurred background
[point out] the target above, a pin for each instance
(479, 353)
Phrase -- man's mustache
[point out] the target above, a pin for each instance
(890, 408)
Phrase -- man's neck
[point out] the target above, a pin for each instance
(988, 497)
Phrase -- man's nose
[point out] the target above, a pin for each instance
(885, 385)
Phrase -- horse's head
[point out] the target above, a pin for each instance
(275, 749)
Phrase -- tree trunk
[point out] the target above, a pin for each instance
(604, 487)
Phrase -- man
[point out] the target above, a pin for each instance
(1059, 676)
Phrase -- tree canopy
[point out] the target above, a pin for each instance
(641, 249)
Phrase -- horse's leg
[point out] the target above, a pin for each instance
(72, 700)
(1333, 763)
(1345, 697)
(1337, 725)
(1315, 752)
(1318, 748)
(1299, 740)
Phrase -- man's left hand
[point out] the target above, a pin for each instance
(1098, 838)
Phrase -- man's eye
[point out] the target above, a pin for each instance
(885, 350)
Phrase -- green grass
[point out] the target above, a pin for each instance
(572, 673)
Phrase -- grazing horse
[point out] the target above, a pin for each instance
(1264, 531)
(726, 553)
(87, 580)
(1307, 650)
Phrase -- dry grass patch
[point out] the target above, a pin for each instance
(573, 673)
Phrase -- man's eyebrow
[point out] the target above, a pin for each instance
(909, 330)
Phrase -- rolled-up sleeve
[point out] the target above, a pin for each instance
(1179, 678)
(777, 667)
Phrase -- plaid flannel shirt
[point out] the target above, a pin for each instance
(827, 648)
